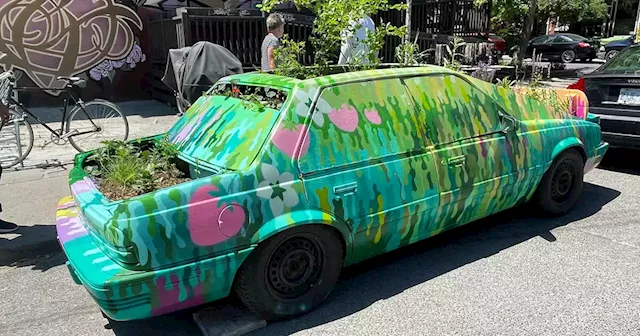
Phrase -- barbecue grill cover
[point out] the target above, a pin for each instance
(198, 67)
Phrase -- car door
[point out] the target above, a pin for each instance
(542, 45)
(367, 164)
(479, 165)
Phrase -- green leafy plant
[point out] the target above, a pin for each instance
(408, 53)
(334, 18)
(288, 59)
(126, 169)
(506, 83)
(451, 61)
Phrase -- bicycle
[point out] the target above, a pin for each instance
(66, 133)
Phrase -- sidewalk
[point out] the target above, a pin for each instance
(145, 118)
(29, 195)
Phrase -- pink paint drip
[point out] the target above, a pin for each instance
(169, 299)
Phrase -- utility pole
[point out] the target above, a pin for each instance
(637, 26)
(407, 20)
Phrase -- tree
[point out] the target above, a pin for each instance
(571, 11)
(335, 17)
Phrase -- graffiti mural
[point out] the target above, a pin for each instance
(50, 38)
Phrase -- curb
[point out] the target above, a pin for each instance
(30, 251)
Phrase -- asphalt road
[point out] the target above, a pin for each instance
(512, 274)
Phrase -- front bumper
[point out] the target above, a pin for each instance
(125, 294)
(594, 161)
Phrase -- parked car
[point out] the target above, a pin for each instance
(563, 47)
(283, 196)
(613, 91)
(611, 49)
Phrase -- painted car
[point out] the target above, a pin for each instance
(348, 167)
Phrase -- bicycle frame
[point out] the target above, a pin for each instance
(69, 96)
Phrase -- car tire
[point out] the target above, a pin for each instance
(568, 56)
(610, 54)
(275, 284)
(561, 186)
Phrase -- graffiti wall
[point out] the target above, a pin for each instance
(103, 41)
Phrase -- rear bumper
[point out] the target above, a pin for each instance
(125, 294)
(596, 158)
(620, 127)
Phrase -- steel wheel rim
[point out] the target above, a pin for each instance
(294, 268)
(562, 182)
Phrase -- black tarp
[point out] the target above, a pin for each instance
(192, 70)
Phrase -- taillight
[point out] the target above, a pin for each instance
(579, 85)
(583, 45)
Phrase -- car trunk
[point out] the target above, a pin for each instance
(617, 96)
(98, 212)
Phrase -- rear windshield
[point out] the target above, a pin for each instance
(228, 126)
(627, 61)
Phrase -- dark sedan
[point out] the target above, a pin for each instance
(613, 48)
(613, 91)
(563, 47)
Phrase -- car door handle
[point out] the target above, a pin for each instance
(456, 161)
(345, 189)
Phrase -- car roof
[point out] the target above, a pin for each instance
(258, 78)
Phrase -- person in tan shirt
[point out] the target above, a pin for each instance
(5, 227)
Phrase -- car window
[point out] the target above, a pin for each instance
(540, 39)
(453, 109)
(562, 38)
(627, 60)
(224, 130)
(361, 121)
(574, 37)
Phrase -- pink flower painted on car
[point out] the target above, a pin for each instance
(373, 116)
(345, 118)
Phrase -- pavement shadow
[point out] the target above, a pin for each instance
(388, 275)
(31, 246)
(620, 160)
(175, 324)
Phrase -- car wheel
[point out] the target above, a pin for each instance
(610, 54)
(568, 56)
(291, 273)
(562, 184)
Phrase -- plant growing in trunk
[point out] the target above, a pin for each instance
(126, 169)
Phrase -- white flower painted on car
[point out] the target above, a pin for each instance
(277, 189)
(304, 103)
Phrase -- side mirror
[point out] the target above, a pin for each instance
(509, 124)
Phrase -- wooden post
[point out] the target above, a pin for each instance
(407, 19)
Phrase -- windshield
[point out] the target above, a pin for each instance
(228, 127)
(627, 60)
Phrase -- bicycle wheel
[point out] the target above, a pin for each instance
(111, 122)
(18, 130)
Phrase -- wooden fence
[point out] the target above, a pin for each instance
(241, 31)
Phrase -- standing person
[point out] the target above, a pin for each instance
(5, 227)
(353, 42)
(275, 29)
